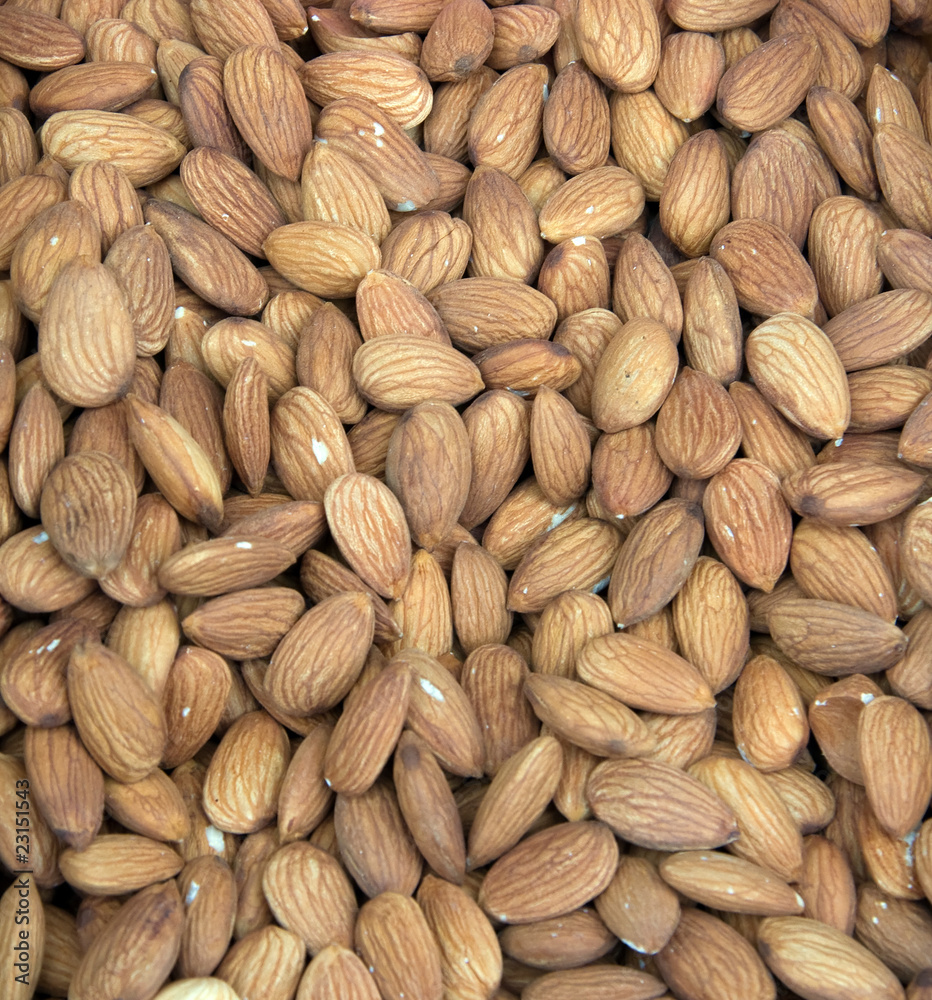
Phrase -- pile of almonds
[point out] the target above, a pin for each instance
(463, 499)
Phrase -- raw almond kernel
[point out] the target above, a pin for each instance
(178, 465)
(319, 659)
(119, 862)
(118, 716)
(493, 678)
(698, 429)
(308, 444)
(388, 304)
(769, 715)
(822, 555)
(398, 372)
(458, 42)
(267, 955)
(892, 729)
(757, 92)
(428, 249)
(365, 735)
(638, 907)
(698, 176)
(336, 189)
(147, 937)
(310, 895)
(711, 620)
(394, 940)
(231, 198)
(36, 446)
(620, 43)
(427, 468)
(575, 939)
(337, 971)
(560, 449)
(37, 40)
(727, 883)
(903, 255)
(575, 276)
(904, 164)
(753, 252)
(691, 64)
(845, 137)
(643, 674)
(139, 260)
(644, 285)
(575, 556)
(89, 503)
(428, 807)
(705, 953)
(645, 136)
(717, 15)
(245, 774)
(267, 103)
(55, 237)
(810, 956)
(524, 365)
(628, 475)
(797, 368)
(768, 835)
(835, 639)
(634, 375)
(67, 783)
(378, 546)
(566, 625)
(506, 241)
(512, 107)
(246, 624)
(846, 493)
(586, 717)
(576, 120)
(498, 425)
(394, 84)
(145, 153)
(519, 793)
(21, 200)
(659, 806)
(748, 522)
(423, 611)
(598, 203)
(550, 873)
(207, 261)
(220, 565)
(881, 328)
(655, 561)
(478, 590)
(323, 258)
(370, 136)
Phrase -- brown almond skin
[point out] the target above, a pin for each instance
(581, 859)
(394, 939)
(428, 807)
(705, 950)
(655, 561)
(102, 500)
(638, 906)
(805, 952)
(888, 728)
(116, 713)
(374, 842)
(147, 936)
(658, 806)
(67, 783)
(753, 252)
(644, 350)
(740, 499)
(428, 467)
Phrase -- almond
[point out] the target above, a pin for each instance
(574, 862)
